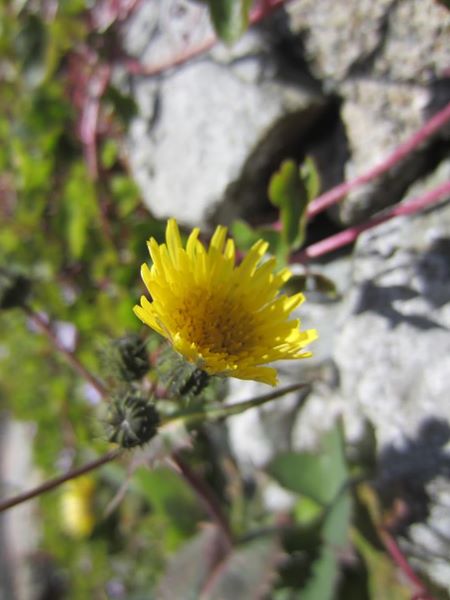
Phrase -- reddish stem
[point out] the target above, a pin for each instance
(337, 193)
(205, 495)
(90, 114)
(53, 483)
(349, 235)
(42, 324)
(401, 561)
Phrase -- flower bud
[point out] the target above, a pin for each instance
(179, 376)
(126, 358)
(132, 420)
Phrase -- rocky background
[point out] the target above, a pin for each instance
(344, 82)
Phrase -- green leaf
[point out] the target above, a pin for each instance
(325, 479)
(229, 17)
(171, 500)
(322, 584)
(383, 578)
(335, 532)
(310, 177)
(335, 528)
(287, 193)
(315, 283)
(291, 190)
(307, 510)
(109, 153)
(123, 106)
(126, 193)
(248, 572)
(80, 207)
(244, 235)
(319, 476)
(191, 566)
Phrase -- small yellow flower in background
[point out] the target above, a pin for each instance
(76, 507)
(226, 319)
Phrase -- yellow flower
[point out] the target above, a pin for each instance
(225, 319)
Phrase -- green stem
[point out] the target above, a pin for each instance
(220, 412)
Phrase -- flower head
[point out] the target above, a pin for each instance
(226, 319)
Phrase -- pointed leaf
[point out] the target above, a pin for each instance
(247, 573)
(310, 177)
(319, 476)
(80, 206)
(312, 283)
(384, 583)
(244, 235)
(230, 17)
(288, 193)
(170, 497)
(322, 584)
(290, 190)
(189, 569)
(335, 533)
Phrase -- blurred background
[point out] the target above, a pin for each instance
(114, 116)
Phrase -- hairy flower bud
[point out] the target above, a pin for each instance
(132, 420)
(180, 377)
(131, 357)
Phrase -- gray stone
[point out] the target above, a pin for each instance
(209, 132)
(383, 59)
(337, 35)
(415, 46)
(393, 348)
(377, 118)
(196, 145)
(19, 529)
(159, 30)
(398, 40)
(393, 355)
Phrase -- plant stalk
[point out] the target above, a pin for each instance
(348, 236)
(51, 484)
(45, 327)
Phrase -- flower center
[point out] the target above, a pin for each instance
(215, 323)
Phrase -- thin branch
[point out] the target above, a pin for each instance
(349, 235)
(213, 413)
(205, 495)
(96, 87)
(337, 193)
(51, 484)
(42, 324)
(401, 561)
